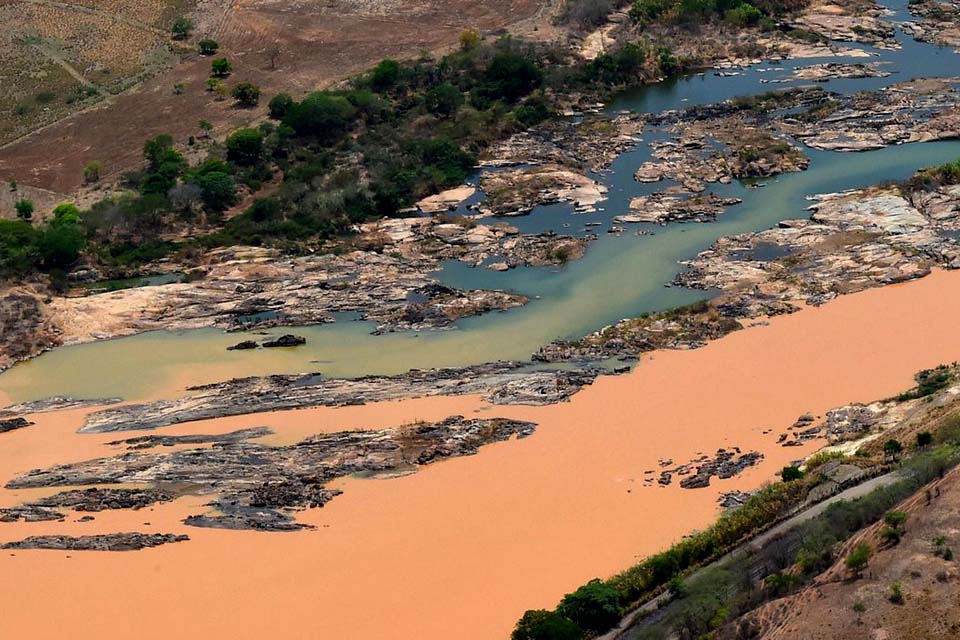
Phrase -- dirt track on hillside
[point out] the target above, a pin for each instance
(318, 45)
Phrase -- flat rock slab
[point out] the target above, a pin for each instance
(105, 542)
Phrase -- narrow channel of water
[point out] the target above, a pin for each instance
(621, 276)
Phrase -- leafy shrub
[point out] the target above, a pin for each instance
(246, 94)
(545, 625)
(245, 147)
(593, 607)
(280, 105)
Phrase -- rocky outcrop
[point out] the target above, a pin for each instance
(683, 328)
(286, 340)
(105, 542)
(97, 499)
(149, 442)
(55, 403)
(916, 111)
(258, 485)
(827, 71)
(857, 21)
(697, 473)
(26, 329)
(851, 242)
(661, 208)
(514, 192)
(29, 513)
(571, 143)
(11, 424)
(499, 382)
(938, 22)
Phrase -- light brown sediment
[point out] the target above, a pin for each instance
(461, 548)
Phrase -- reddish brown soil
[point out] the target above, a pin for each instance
(320, 43)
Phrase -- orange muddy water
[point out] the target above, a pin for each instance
(463, 547)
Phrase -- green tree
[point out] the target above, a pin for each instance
(743, 15)
(895, 519)
(859, 558)
(545, 625)
(245, 147)
(924, 438)
(321, 115)
(443, 100)
(246, 94)
(158, 150)
(24, 209)
(65, 215)
(60, 246)
(594, 607)
(218, 190)
(385, 75)
(92, 171)
(469, 39)
(208, 46)
(164, 165)
(221, 67)
(892, 448)
(181, 28)
(509, 76)
(280, 105)
(789, 473)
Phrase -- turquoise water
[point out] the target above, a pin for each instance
(620, 276)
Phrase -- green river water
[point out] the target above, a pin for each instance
(620, 276)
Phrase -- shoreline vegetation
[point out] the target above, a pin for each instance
(925, 447)
(370, 149)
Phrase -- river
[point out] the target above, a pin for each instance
(620, 276)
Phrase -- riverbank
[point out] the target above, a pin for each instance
(517, 519)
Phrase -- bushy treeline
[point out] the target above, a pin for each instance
(657, 571)
(398, 133)
(741, 13)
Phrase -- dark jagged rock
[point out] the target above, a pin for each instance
(29, 513)
(97, 499)
(148, 442)
(13, 423)
(286, 340)
(725, 464)
(105, 542)
(243, 346)
(256, 483)
(246, 518)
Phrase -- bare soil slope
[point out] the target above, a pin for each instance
(928, 577)
(278, 44)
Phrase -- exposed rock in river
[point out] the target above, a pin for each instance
(56, 403)
(500, 382)
(149, 442)
(938, 22)
(851, 242)
(97, 499)
(105, 542)
(25, 328)
(11, 424)
(916, 111)
(852, 21)
(256, 483)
